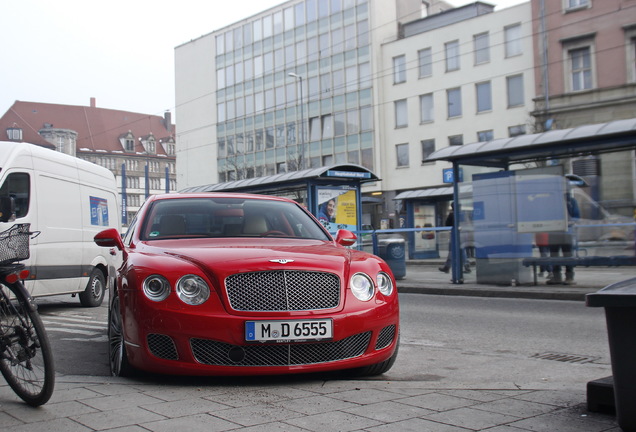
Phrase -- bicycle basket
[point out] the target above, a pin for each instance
(14, 244)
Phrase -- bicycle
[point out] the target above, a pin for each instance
(26, 358)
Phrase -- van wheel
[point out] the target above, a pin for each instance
(93, 295)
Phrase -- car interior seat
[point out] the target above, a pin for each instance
(172, 224)
(254, 224)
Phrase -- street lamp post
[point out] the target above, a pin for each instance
(302, 120)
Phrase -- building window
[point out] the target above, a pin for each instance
(14, 134)
(327, 126)
(576, 4)
(314, 129)
(132, 182)
(428, 147)
(481, 48)
(514, 131)
(130, 145)
(353, 122)
(425, 63)
(399, 69)
(427, 108)
(486, 135)
(220, 44)
(366, 119)
(512, 35)
(452, 55)
(456, 140)
(580, 68)
(401, 114)
(631, 58)
(402, 154)
(515, 90)
(151, 146)
(454, 101)
(484, 96)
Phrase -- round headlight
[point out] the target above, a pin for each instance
(362, 286)
(156, 288)
(384, 284)
(192, 290)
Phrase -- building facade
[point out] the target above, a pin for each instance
(297, 86)
(139, 149)
(458, 77)
(383, 84)
(586, 74)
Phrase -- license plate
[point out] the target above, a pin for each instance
(296, 330)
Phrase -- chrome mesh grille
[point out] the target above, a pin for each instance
(385, 337)
(162, 346)
(221, 354)
(283, 290)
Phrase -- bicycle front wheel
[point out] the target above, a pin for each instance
(26, 359)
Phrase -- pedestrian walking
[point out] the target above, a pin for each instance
(450, 221)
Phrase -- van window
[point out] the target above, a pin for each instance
(17, 185)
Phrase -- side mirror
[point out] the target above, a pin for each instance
(109, 238)
(346, 238)
(7, 209)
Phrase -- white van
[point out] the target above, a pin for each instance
(68, 200)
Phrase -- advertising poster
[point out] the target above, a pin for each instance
(337, 208)
(99, 211)
(424, 216)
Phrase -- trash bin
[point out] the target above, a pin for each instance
(619, 301)
(392, 250)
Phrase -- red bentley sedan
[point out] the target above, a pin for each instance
(238, 284)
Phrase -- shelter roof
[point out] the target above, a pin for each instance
(349, 171)
(581, 140)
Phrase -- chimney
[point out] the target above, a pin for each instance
(167, 119)
(93, 104)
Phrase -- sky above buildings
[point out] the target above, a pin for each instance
(121, 52)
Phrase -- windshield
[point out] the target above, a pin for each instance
(228, 217)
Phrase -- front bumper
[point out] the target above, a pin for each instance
(182, 342)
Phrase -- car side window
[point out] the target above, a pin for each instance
(18, 186)
(129, 233)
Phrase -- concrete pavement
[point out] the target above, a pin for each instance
(327, 403)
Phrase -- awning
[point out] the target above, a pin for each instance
(582, 140)
(334, 172)
(433, 193)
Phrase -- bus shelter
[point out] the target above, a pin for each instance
(332, 194)
(427, 209)
(512, 192)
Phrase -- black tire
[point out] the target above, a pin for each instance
(118, 358)
(378, 368)
(93, 295)
(26, 360)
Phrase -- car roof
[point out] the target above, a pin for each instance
(237, 195)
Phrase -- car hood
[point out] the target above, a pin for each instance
(242, 255)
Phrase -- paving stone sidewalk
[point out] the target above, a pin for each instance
(297, 404)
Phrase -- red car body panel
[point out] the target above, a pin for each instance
(214, 260)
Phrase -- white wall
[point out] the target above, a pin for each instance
(419, 174)
(195, 84)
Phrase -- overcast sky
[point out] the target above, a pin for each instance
(120, 52)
